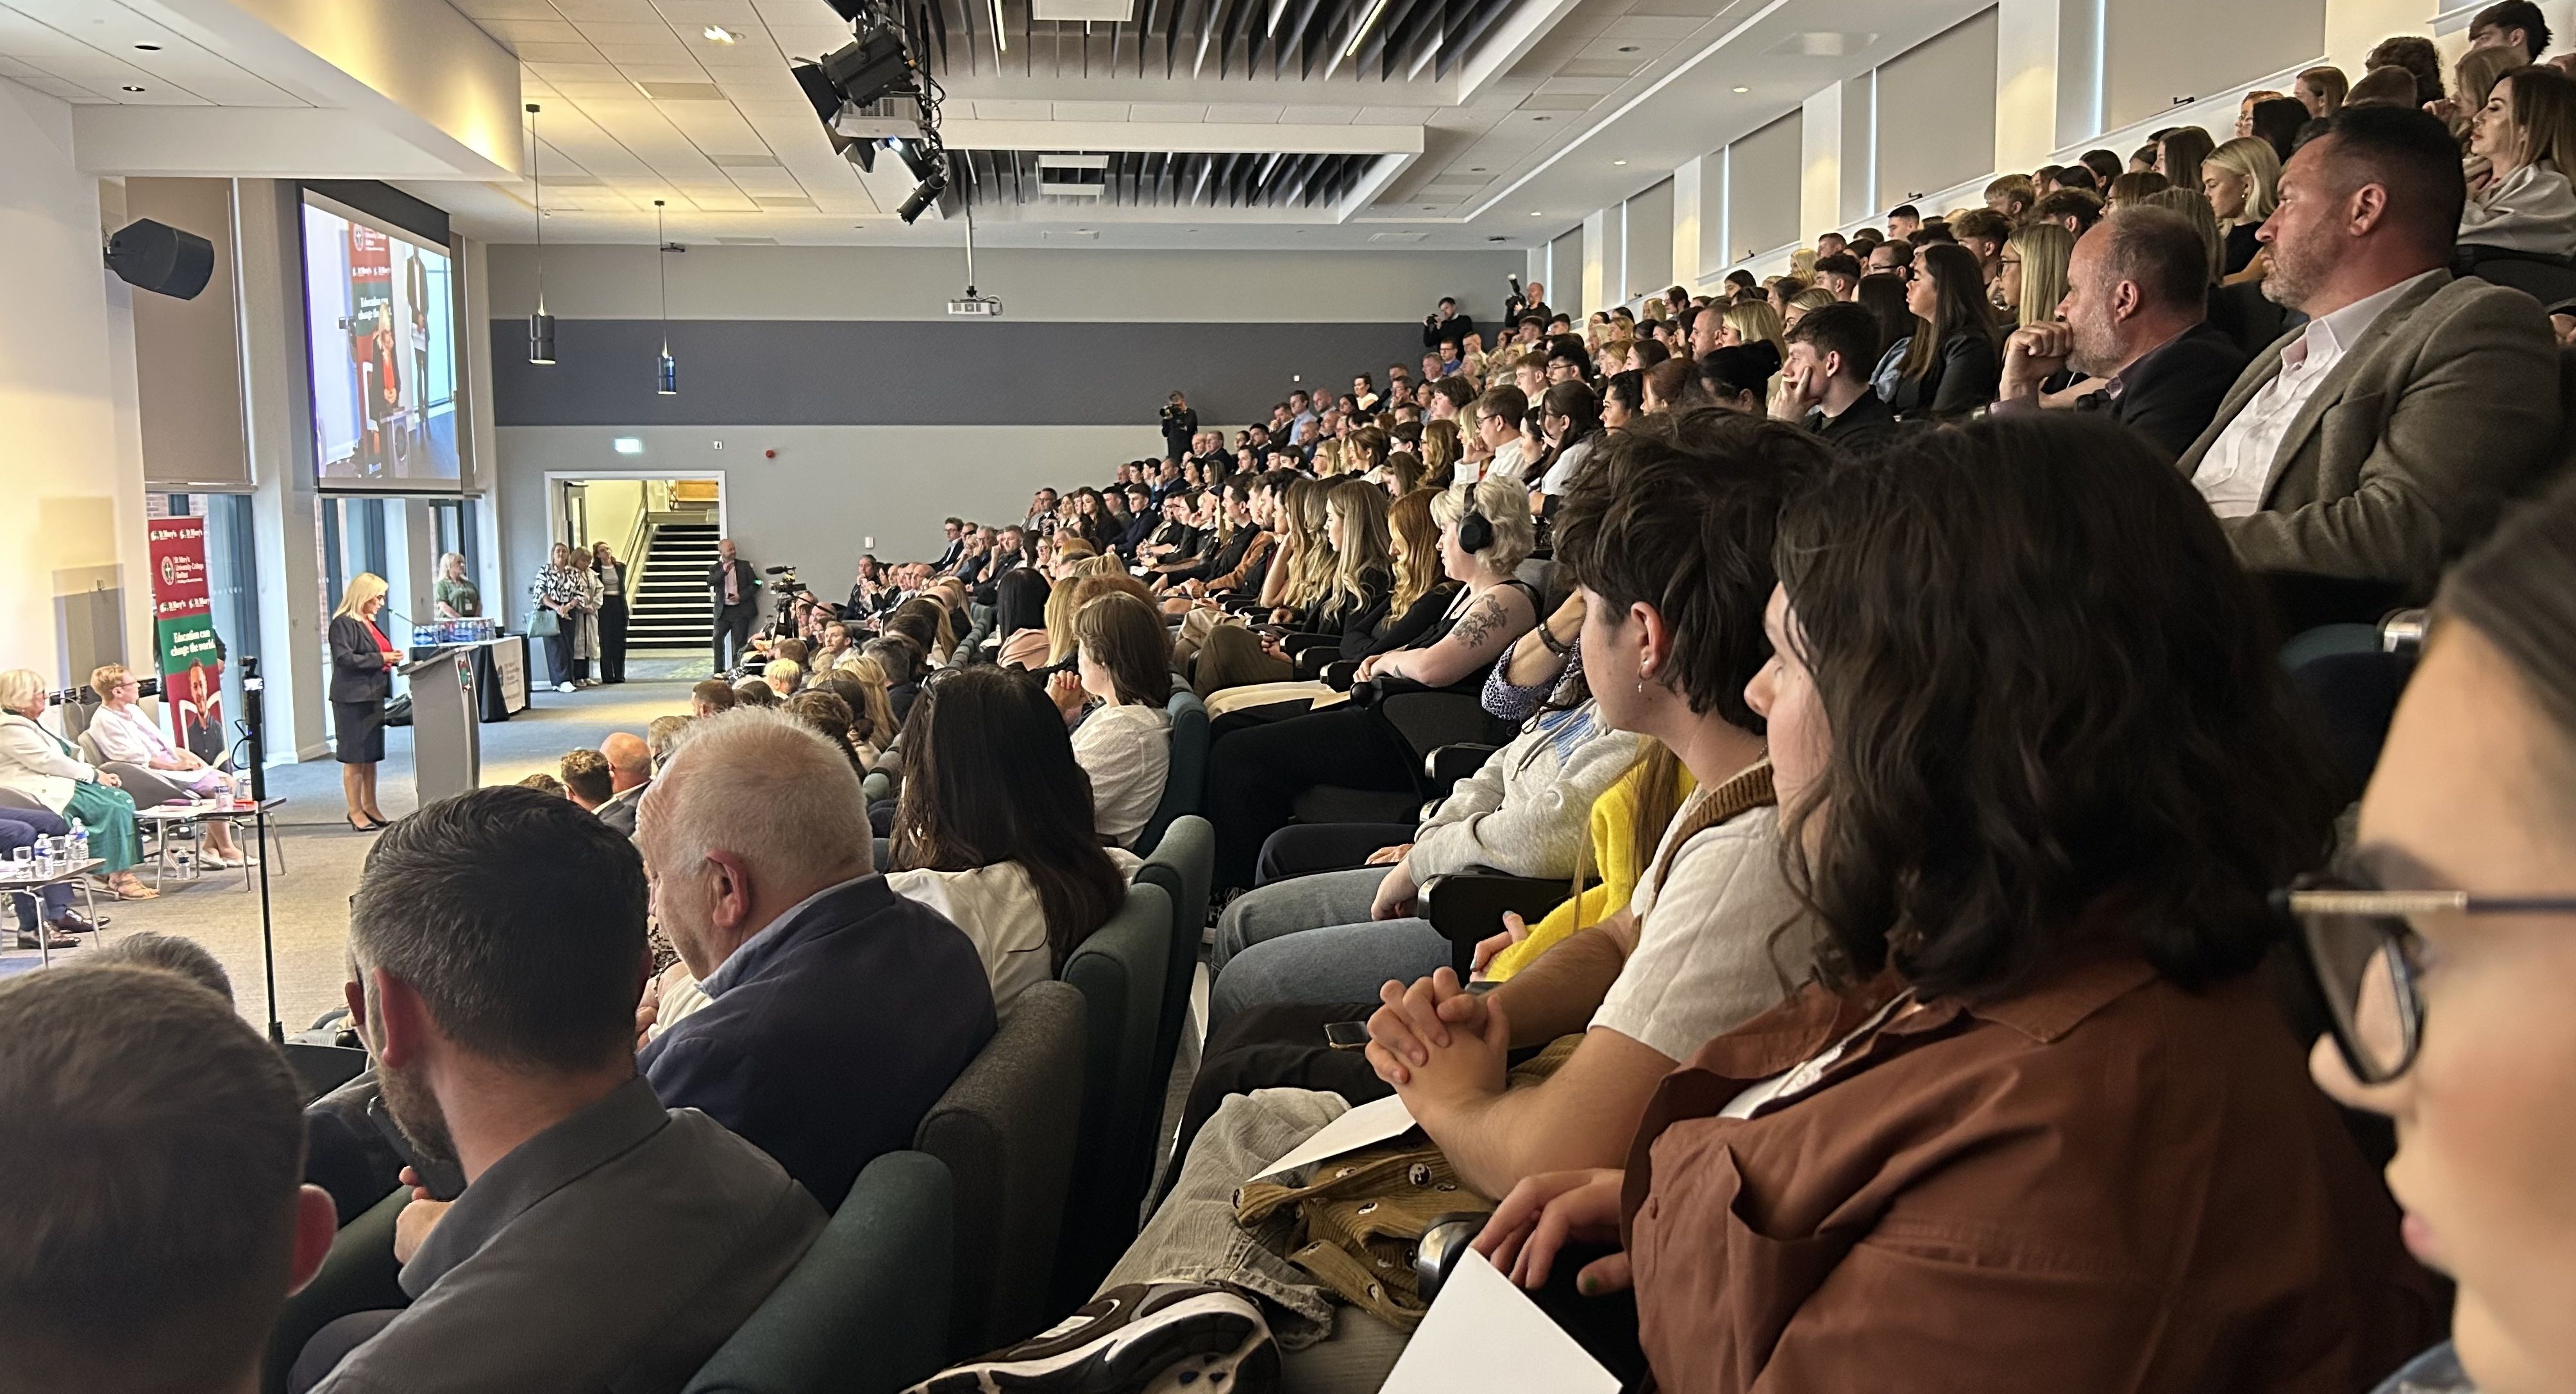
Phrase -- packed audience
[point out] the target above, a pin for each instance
(1903, 693)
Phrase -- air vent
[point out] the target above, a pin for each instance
(1073, 176)
(1820, 43)
(682, 91)
(1397, 236)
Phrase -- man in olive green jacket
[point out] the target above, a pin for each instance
(2380, 440)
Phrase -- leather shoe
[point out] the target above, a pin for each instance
(57, 941)
(74, 922)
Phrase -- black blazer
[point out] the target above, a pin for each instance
(358, 671)
(745, 583)
(833, 1034)
(1456, 327)
(2171, 395)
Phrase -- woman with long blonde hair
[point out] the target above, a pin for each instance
(1748, 320)
(2033, 278)
(1363, 562)
(1440, 452)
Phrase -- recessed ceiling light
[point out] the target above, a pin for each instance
(1743, 89)
(1538, 118)
(132, 88)
(1618, 162)
(1536, 213)
(1627, 48)
(1475, 169)
(149, 48)
(718, 34)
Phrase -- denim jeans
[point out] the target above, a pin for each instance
(1310, 939)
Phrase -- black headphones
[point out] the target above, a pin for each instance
(1475, 531)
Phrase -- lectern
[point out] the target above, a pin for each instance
(446, 740)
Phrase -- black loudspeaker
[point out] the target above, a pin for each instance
(161, 258)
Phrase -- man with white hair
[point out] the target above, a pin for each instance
(838, 1011)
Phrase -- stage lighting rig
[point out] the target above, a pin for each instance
(878, 64)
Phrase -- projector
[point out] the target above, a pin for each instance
(984, 305)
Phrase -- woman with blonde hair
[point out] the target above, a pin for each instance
(784, 676)
(1748, 320)
(2242, 181)
(1440, 451)
(559, 592)
(455, 597)
(1812, 298)
(1401, 474)
(151, 769)
(362, 663)
(2033, 277)
(42, 766)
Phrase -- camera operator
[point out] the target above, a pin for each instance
(1521, 303)
(1446, 324)
(1179, 424)
(735, 591)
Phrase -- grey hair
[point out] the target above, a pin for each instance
(19, 686)
(765, 787)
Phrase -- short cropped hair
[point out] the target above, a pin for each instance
(1505, 401)
(171, 954)
(768, 787)
(1984, 224)
(2161, 251)
(663, 735)
(1680, 515)
(518, 918)
(1839, 264)
(715, 693)
(1847, 329)
(585, 773)
(2413, 155)
(148, 1182)
(2083, 205)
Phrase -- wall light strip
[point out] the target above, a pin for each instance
(1376, 8)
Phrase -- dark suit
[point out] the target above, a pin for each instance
(733, 622)
(832, 1033)
(619, 811)
(2169, 395)
(360, 682)
(1456, 327)
(948, 558)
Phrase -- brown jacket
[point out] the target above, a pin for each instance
(2444, 408)
(2102, 1184)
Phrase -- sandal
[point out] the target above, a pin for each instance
(136, 890)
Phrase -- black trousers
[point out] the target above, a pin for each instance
(1255, 775)
(1302, 849)
(612, 639)
(733, 632)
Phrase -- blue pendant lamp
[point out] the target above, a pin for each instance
(541, 326)
(669, 385)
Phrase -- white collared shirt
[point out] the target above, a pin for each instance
(2237, 472)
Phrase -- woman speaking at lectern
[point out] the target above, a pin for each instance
(362, 661)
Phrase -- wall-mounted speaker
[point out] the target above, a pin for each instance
(161, 258)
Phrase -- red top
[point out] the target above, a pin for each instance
(383, 645)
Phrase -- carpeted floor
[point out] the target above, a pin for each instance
(320, 856)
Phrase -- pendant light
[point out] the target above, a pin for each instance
(670, 380)
(541, 326)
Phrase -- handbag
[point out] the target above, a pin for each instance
(543, 623)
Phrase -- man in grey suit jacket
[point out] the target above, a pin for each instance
(599, 1240)
(630, 771)
(2379, 441)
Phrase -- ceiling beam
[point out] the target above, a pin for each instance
(1110, 136)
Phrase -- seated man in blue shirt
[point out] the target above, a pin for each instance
(839, 1011)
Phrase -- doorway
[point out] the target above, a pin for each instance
(663, 527)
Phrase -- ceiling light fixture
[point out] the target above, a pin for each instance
(1618, 162)
(149, 48)
(1743, 89)
(1001, 40)
(1376, 8)
(1536, 213)
(669, 383)
(718, 34)
(132, 88)
(541, 326)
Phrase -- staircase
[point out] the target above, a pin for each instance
(667, 610)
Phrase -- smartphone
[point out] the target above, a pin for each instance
(443, 1180)
(1346, 1035)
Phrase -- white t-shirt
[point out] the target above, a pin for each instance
(1709, 955)
(998, 908)
(1127, 751)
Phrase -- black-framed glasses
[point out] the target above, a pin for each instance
(2368, 960)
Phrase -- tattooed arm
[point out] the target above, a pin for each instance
(1494, 619)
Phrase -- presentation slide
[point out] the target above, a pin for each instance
(380, 336)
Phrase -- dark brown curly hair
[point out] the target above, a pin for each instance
(2058, 715)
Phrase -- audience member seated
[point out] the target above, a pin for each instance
(21, 827)
(1831, 353)
(586, 779)
(2242, 181)
(2444, 988)
(755, 692)
(1113, 700)
(630, 770)
(602, 1236)
(41, 766)
(2032, 278)
(1739, 376)
(663, 735)
(2041, 1093)
(133, 747)
(2134, 331)
(1671, 540)
(1019, 620)
(2526, 132)
(149, 1185)
(995, 829)
(709, 697)
(2383, 469)
(1948, 368)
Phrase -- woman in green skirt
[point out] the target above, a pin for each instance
(42, 766)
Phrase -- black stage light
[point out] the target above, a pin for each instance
(928, 194)
(856, 73)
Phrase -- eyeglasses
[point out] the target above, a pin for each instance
(2369, 959)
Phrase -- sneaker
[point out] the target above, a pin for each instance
(1142, 1337)
(563, 687)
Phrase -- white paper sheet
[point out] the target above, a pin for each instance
(1365, 1126)
(1484, 1334)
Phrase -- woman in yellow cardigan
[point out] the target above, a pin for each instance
(1628, 820)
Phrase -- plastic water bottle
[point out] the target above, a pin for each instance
(80, 841)
(44, 857)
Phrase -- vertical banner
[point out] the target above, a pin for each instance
(183, 632)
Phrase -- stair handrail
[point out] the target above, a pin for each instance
(639, 545)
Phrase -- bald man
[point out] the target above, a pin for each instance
(630, 768)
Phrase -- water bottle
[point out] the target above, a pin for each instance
(44, 858)
(80, 841)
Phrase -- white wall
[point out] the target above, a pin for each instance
(828, 489)
(1945, 75)
(71, 463)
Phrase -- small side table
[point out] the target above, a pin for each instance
(161, 818)
(32, 886)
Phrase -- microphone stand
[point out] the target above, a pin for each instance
(253, 727)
